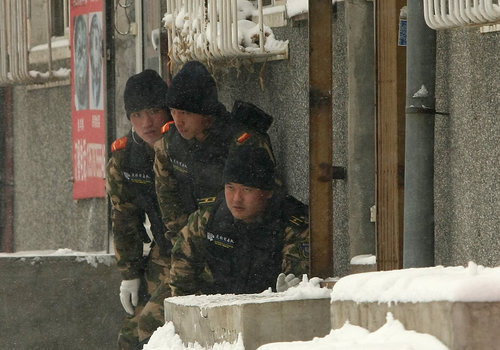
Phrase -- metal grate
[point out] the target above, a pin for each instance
(443, 14)
(15, 36)
(211, 31)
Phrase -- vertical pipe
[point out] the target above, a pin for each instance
(320, 138)
(49, 34)
(261, 25)
(361, 125)
(418, 240)
(3, 42)
(138, 39)
(110, 71)
(7, 236)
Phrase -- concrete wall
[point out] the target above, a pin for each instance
(258, 318)
(458, 325)
(467, 151)
(59, 302)
(467, 148)
(45, 214)
(284, 93)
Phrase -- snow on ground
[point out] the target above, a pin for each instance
(457, 283)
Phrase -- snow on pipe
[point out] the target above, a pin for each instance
(444, 14)
(210, 30)
(3, 42)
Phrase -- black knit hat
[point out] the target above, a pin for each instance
(250, 166)
(144, 90)
(193, 89)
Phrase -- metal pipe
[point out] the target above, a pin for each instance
(361, 125)
(49, 34)
(418, 241)
(3, 42)
(261, 25)
(320, 138)
(138, 40)
(7, 237)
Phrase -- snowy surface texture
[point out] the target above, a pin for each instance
(471, 283)
(92, 258)
(439, 283)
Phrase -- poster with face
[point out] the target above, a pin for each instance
(81, 74)
(88, 87)
(96, 58)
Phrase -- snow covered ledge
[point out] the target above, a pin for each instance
(459, 306)
(251, 319)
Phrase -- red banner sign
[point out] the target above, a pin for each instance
(88, 90)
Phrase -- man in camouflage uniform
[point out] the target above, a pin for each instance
(130, 186)
(191, 155)
(247, 238)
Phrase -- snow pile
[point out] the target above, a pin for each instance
(473, 283)
(467, 284)
(306, 289)
(365, 259)
(298, 7)
(391, 336)
(164, 338)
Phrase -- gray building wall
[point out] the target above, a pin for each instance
(60, 302)
(467, 148)
(284, 94)
(45, 214)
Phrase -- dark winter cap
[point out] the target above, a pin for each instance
(144, 90)
(250, 115)
(250, 166)
(193, 89)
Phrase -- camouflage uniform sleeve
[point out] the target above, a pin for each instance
(296, 246)
(189, 273)
(127, 220)
(167, 190)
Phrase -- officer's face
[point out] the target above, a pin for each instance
(148, 123)
(246, 203)
(191, 125)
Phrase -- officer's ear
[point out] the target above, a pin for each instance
(267, 194)
(207, 121)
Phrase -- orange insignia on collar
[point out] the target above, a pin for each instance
(243, 137)
(166, 127)
(119, 144)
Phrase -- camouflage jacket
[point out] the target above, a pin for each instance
(189, 172)
(130, 186)
(214, 253)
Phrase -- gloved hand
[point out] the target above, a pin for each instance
(129, 294)
(286, 281)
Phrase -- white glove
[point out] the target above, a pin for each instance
(129, 291)
(286, 281)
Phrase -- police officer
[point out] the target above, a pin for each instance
(190, 157)
(130, 186)
(247, 238)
